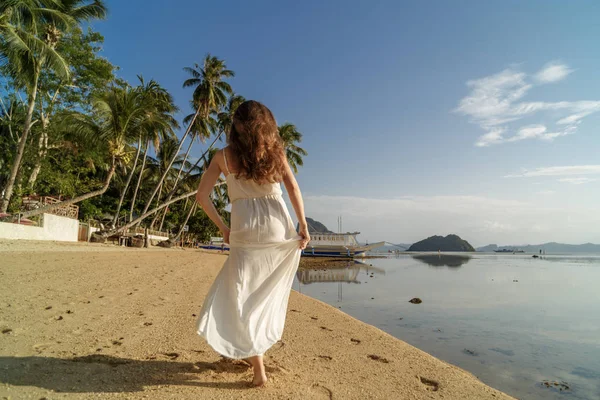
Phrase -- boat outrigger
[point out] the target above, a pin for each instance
(337, 245)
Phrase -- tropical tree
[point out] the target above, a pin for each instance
(159, 109)
(89, 73)
(210, 94)
(118, 117)
(294, 153)
(29, 33)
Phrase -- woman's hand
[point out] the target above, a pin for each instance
(225, 232)
(305, 236)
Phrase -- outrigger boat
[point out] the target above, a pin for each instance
(337, 245)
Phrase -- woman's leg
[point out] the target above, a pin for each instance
(260, 377)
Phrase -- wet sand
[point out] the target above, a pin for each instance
(99, 321)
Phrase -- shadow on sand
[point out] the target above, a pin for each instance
(104, 374)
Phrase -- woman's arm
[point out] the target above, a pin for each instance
(207, 184)
(291, 185)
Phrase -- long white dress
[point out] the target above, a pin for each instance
(243, 314)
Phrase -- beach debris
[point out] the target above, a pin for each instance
(315, 318)
(515, 280)
(6, 330)
(326, 329)
(97, 238)
(378, 358)
(49, 308)
(329, 358)
(165, 243)
(372, 298)
(172, 356)
(69, 312)
(471, 352)
(117, 343)
(147, 323)
(193, 315)
(415, 300)
(535, 256)
(60, 318)
(354, 340)
(560, 386)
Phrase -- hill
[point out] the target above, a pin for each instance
(549, 248)
(316, 226)
(448, 243)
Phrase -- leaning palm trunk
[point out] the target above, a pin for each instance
(86, 196)
(137, 155)
(157, 204)
(8, 189)
(164, 175)
(148, 213)
(187, 174)
(187, 218)
(137, 186)
(170, 196)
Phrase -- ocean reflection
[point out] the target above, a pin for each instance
(442, 260)
(348, 274)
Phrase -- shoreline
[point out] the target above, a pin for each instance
(121, 325)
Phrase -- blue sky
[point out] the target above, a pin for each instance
(420, 118)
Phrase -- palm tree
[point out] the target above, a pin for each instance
(29, 33)
(210, 94)
(290, 136)
(118, 115)
(159, 107)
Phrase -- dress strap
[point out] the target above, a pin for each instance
(225, 158)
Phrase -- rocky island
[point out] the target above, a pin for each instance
(448, 243)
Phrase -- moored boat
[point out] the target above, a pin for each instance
(337, 245)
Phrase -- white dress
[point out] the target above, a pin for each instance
(244, 311)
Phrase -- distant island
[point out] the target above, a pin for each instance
(448, 243)
(551, 247)
(315, 226)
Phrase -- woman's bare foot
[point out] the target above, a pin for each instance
(260, 377)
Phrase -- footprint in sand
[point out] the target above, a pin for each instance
(41, 346)
(429, 383)
(322, 391)
(172, 356)
(378, 358)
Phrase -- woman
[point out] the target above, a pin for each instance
(244, 311)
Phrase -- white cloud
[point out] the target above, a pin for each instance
(577, 181)
(568, 170)
(495, 104)
(553, 72)
(478, 219)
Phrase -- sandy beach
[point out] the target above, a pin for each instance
(90, 321)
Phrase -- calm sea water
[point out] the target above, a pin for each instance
(513, 321)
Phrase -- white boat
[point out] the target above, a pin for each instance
(337, 245)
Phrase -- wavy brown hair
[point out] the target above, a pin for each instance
(255, 142)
